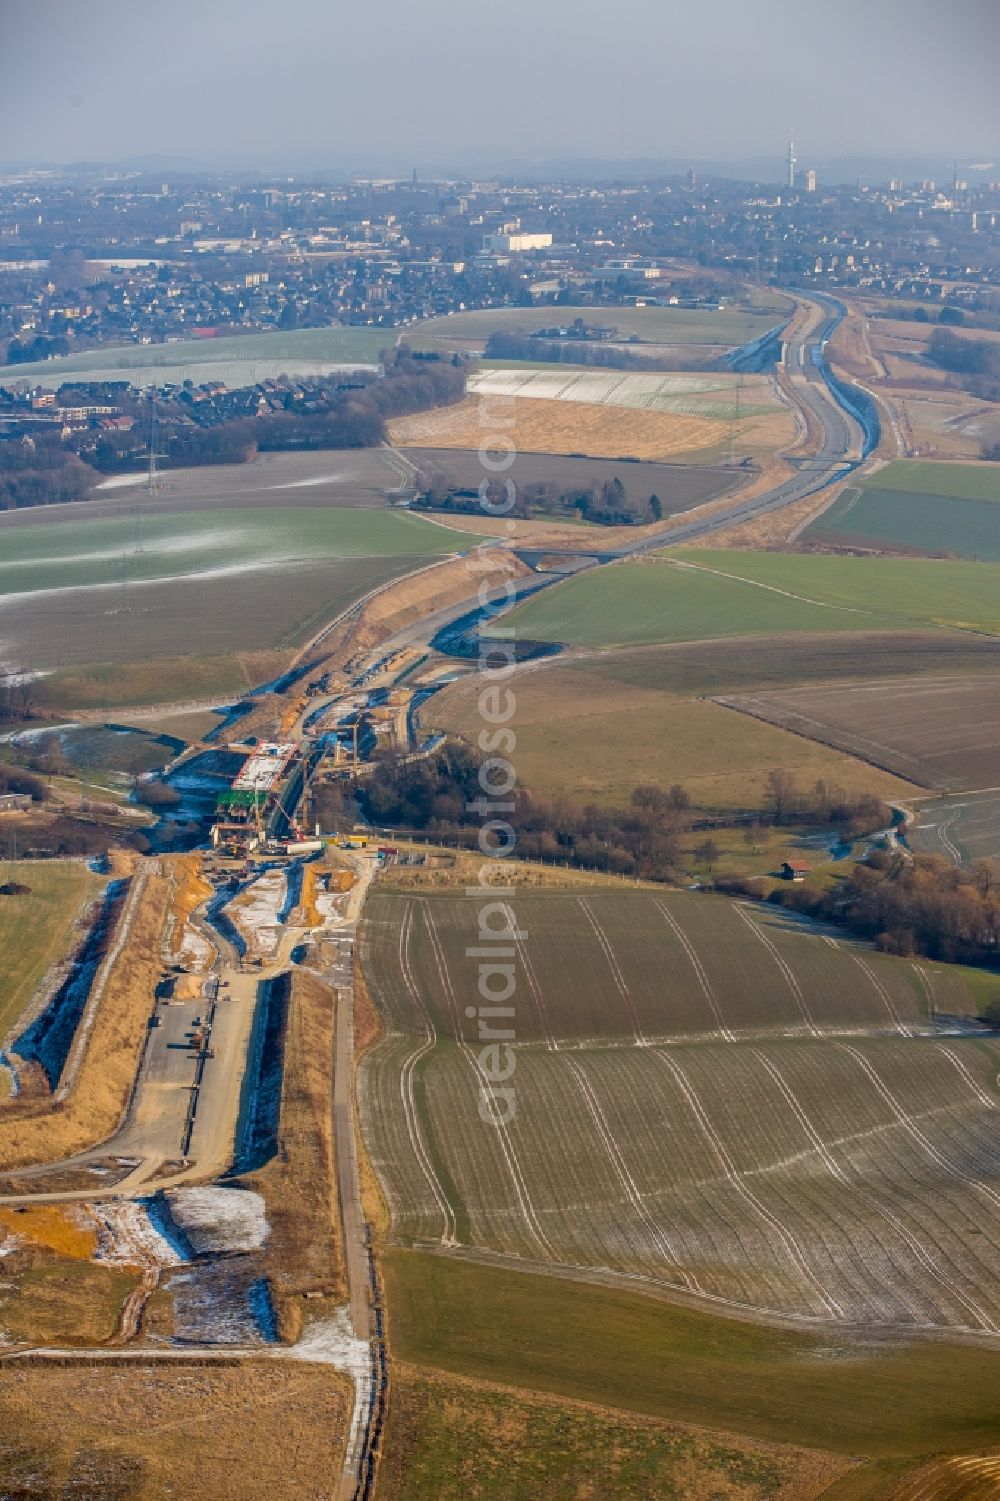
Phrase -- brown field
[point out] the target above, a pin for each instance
(936, 731)
(465, 868)
(571, 427)
(450, 1438)
(188, 617)
(681, 489)
(349, 477)
(144, 1431)
(46, 1130)
(964, 827)
(62, 1229)
(581, 726)
(703, 667)
(158, 680)
(52, 1299)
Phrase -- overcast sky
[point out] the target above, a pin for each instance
(310, 82)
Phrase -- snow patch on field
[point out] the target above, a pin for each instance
(331, 1342)
(256, 911)
(694, 395)
(195, 951)
(319, 479)
(127, 1237)
(222, 1301)
(119, 481)
(330, 904)
(218, 1221)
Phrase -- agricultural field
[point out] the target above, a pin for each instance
(129, 685)
(647, 325)
(237, 359)
(679, 487)
(751, 1116)
(582, 429)
(89, 553)
(939, 732)
(964, 827)
(38, 930)
(446, 1434)
(957, 481)
(878, 1411)
(723, 396)
(203, 583)
(345, 477)
(695, 595)
(603, 725)
(924, 508)
(706, 667)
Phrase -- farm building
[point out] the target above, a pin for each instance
(14, 802)
(794, 870)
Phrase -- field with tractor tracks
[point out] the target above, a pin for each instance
(709, 1100)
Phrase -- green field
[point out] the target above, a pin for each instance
(185, 544)
(35, 930)
(651, 325)
(451, 1439)
(206, 584)
(129, 684)
(891, 1403)
(928, 477)
(244, 356)
(942, 509)
(694, 596)
(901, 592)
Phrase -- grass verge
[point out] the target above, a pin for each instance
(36, 930)
(47, 1130)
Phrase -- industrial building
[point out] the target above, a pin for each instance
(515, 241)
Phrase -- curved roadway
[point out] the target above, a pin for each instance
(839, 450)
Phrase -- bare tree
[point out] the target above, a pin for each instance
(781, 791)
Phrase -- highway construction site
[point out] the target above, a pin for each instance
(221, 1182)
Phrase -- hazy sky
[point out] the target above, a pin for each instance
(309, 82)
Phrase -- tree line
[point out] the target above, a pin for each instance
(41, 471)
(976, 360)
(518, 346)
(913, 904)
(643, 838)
(607, 504)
